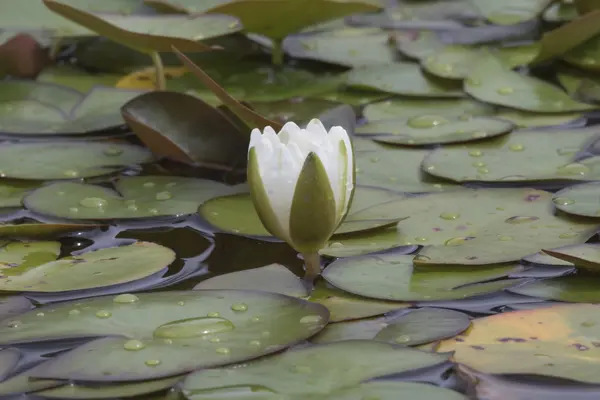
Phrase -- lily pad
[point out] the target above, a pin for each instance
(544, 259)
(13, 191)
(133, 197)
(525, 119)
(584, 256)
(393, 277)
(414, 328)
(580, 288)
(350, 47)
(8, 360)
(182, 6)
(28, 254)
(21, 383)
(419, 46)
(344, 306)
(236, 214)
(149, 33)
(560, 12)
(585, 56)
(434, 129)
(395, 168)
(410, 107)
(13, 305)
(274, 277)
(492, 82)
(580, 199)
(556, 341)
(68, 159)
(185, 128)
(276, 19)
(77, 78)
(155, 335)
(100, 268)
(330, 367)
(510, 12)
(451, 62)
(402, 78)
(541, 155)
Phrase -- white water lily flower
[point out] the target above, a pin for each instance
(301, 182)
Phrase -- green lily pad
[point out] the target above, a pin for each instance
(560, 11)
(393, 277)
(183, 6)
(95, 269)
(420, 46)
(39, 230)
(21, 383)
(162, 334)
(402, 78)
(353, 97)
(541, 258)
(13, 191)
(149, 33)
(344, 306)
(414, 328)
(68, 159)
(555, 341)
(237, 214)
(13, 305)
(451, 62)
(409, 107)
(396, 169)
(580, 199)
(510, 12)
(28, 254)
(79, 391)
(183, 127)
(350, 47)
(491, 82)
(570, 288)
(524, 119)
(301, 110)
(276, 19)
(132, 197)
(330, 367)
(584, 256)
(76, 78)
(585, 56)
(432, 129)
(525, 156)
(274, 278)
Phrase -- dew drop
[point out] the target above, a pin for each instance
(103, 314)
(311, 319)
(475, 153)
(153, 211)
(505, 90)
(93, 202)
(193, 327)
(213, 314)
(301, 369)
(430, 167)
(573, 169)
(149, 184)
(520, 220)
(457, 241)
(152, 363)
(74, 312)
(448, 216)
(181, 303)
(239, 307)
(483, 170)
(113, 151)
(478, 164)
(426, 121)
(214, 340)
(336, 245)
(568, 235)
(73, 210)
(505, 238)
(125, 298)
(223, 350)
(132, 207)
(563, 201)
(40, 314)
(255, 343)
(473, 81)
(265, 334)
(163, 195)
(421, 239)
(567, 151)
(71, 173)
(14, 324)
(402, 339)
(516, 147)
(255, 319)
(133, 345)
(374, 159)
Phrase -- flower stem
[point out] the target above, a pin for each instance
(312, 264)
(277, 54)
(161, 83)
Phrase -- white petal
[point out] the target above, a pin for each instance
(255, 137)
(337, 134)
(270, 134)
(287, 131)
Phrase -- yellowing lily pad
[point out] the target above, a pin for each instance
(433, 129)
(132, 197)
(162, 334)
(414, 328)
(524, 156)
(558, 341)
(68, 159)
(278, 18)
(151, 33)
(491, 82)
(104, 267)
(330, 366)
(580, 199)
(584, 256)
(402, 78)
(393, 277)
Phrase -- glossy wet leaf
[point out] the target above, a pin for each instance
(274, 278)
(393, 277)
(132, 197)
(408, 329)
(150, 33)
(395, 168)
(452, 62)
(434, 129)
(38, 230)
(330, 367)
(100, 268)
(402, 78)
(236, 213)
(351, 47)
(185, 128)
(491, 82)
(511, 11)
(400, 108)
(163, 334)
(544, 259)
(580, 199)
(68, 159)
(344, 306)
(558, 341)
(584, 256)
(278, 18)
(541, 155)
(580, 288)
(525, 119)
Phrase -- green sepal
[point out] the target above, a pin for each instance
(260, 199)
(313, 213)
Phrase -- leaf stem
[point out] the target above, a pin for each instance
(277, 53)
(161, 83)
(312, 266)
